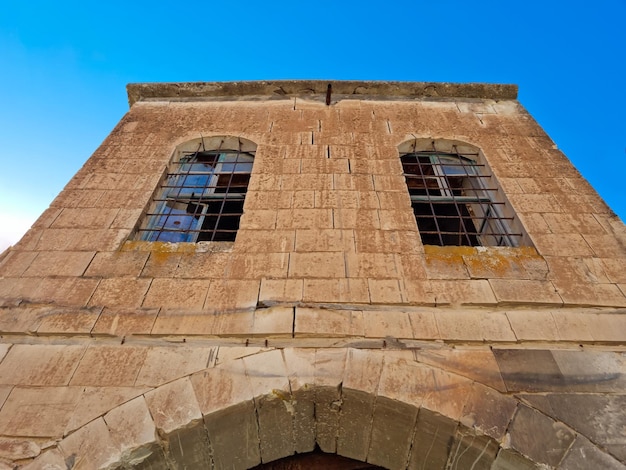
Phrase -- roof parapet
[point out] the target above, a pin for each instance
(345, 89)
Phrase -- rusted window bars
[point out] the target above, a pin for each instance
(455, 201)
(201, 198)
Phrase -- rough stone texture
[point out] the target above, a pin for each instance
(326, 322)
(537, 436)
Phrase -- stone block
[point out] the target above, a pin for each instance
(62, 291)
(268, 199)
(387, 324)
(51, 459)
(614, 269)
(91, 445)
(40, 364)
(315, 240)
(185, 322)
(599, 417)
(369, 200)
(131, 428)
(432, 441)
(221, 387)
(584, 455)
(528, 370)
(539, 437)
(117, 264)
(317, 265)
(329, 371)
(311, 322)
(273, 321)
(18, 449)
(474, 325)
(115, 322)
(567, 244)
(267, 373)
(96, 401)
(275, 414)
(232, 294)
(71, 321)
(576, 325)
(591, 371)
(280, 290)
(234, 438)
(392, 433)
(353, 182)
(445, 263)
(366, 219)
(601, 295)
(336, 290)
(303, 200)
(265, 241)
(417, 292)
(260, 219)
(606, 245)
(203, 265)
(164, 364)
(173, 406)
(576, 270)
(16, 262)
(304, 218)
(309, 181)
(161, 264)
(233, 323)
(114, 366)
(372, 265)
(463, 292)
(337, 198)
(488, 411)
(423, 325)
(404, 242)
(471, 450)
(608, 327)
(510, 460)
(355, 424)
(56, 263)
(38, 412)
(85, 218)
(475, 364)
(385, 291)
(330, 166)
(533, 325)
(126, 218)
(23, 319)
(120, 292)
(258, 265)
(176, 293)
(404, 380)
(448, 394)
(397, 219)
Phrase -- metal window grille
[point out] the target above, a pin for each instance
(201, 198)
(455, 201)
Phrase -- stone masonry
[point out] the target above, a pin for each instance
(326, 326)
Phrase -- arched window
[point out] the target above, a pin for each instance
(455, 198)
(202, 195)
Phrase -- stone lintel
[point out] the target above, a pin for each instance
(317, 89)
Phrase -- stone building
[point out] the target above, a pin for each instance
(318, 275)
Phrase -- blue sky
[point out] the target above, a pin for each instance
(64, 66)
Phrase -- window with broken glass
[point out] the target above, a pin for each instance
(201, 198)
(455, 200)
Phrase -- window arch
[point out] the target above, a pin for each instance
(201, 197)
(455, 198)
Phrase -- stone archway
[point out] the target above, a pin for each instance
(380, 408)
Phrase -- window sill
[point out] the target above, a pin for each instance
(182, 247)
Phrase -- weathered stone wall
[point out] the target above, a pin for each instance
(326, 322)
